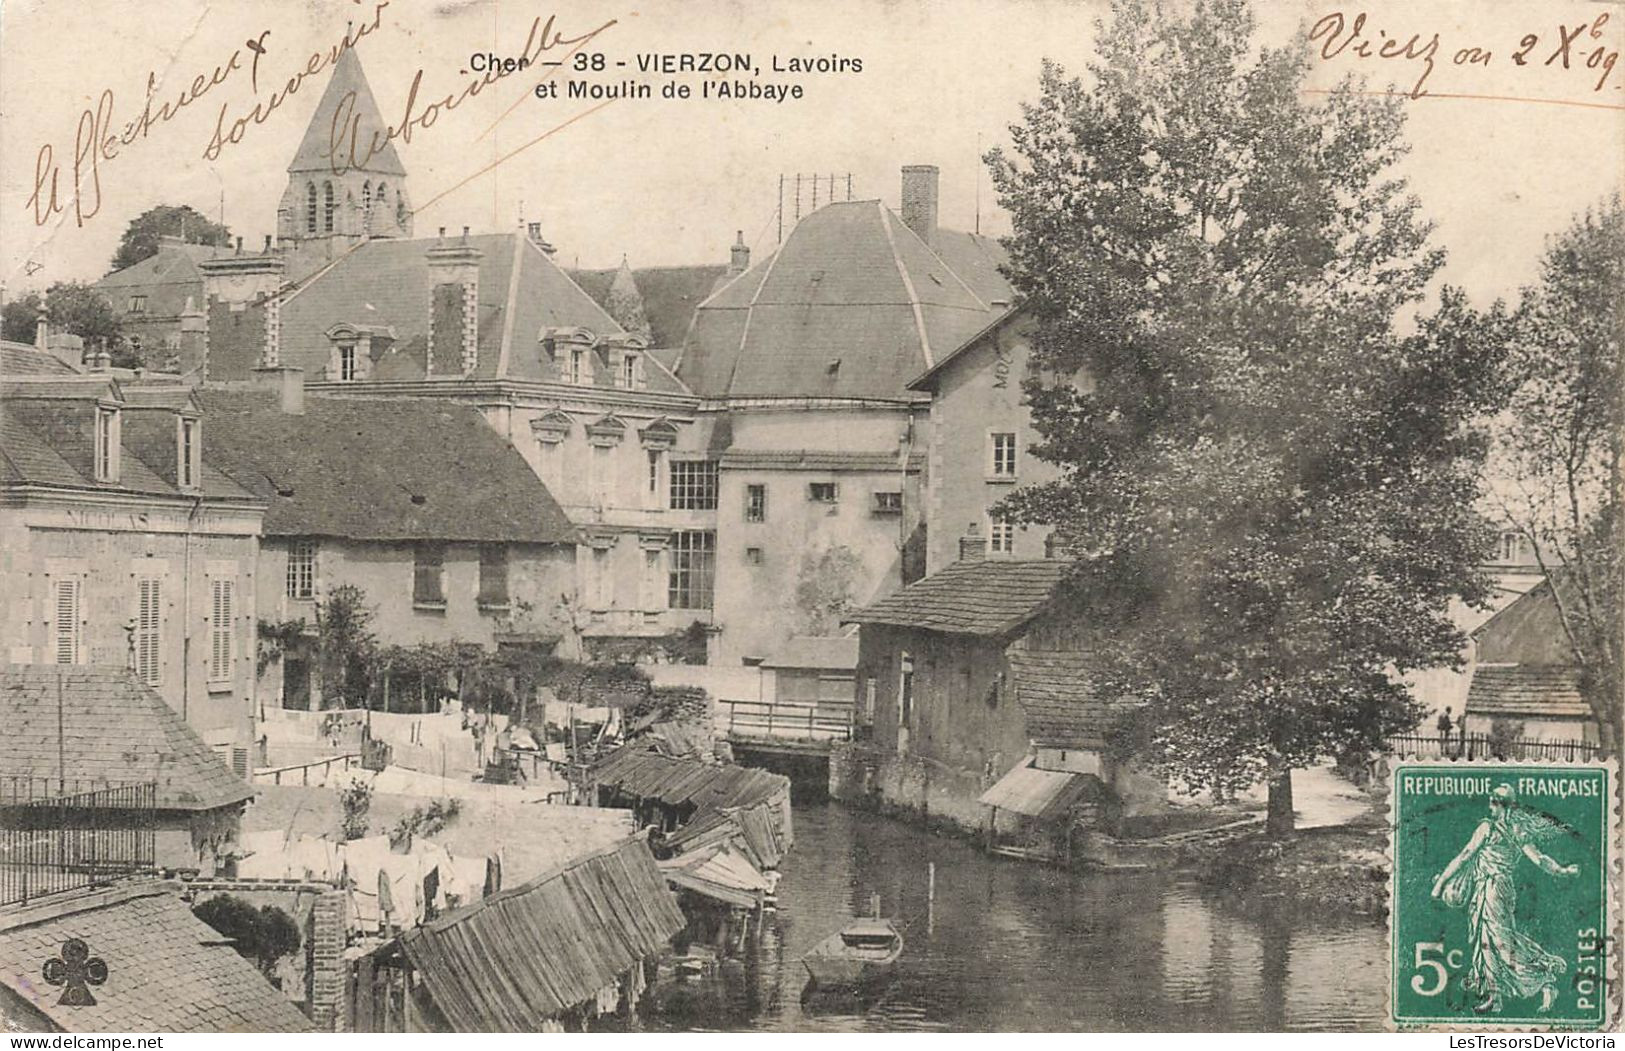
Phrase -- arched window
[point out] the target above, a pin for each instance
(310, 207)
(327, 207)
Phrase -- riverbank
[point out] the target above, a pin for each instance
(1341, 869)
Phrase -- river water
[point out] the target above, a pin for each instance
(1009, 945)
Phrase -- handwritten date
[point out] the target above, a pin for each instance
(1571, 46)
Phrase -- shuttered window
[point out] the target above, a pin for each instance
(148, 617)
(428, 565)
(222, 603)
(66, 624)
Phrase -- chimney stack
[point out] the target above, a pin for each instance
(534, 231)
(920, 201)
(42, 331)
(454, 298)
(738, 256)
(973, 545)
(288, 381)
(242, 314)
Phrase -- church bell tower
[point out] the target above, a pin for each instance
(340, 187)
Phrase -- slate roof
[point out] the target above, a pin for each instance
(851, 284)
(670, 296)
(927, 380)
(1538, 691)
(315, 149)
(113, 729)
(167, 278)
(972, 597)
(408, 469)
(818, 460)
(1062, 709)
(47, 434)
(515, 960)
(167, 970)
(24, 359)
(387, 282)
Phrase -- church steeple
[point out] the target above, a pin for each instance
(338, 186)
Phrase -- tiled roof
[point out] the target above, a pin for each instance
(1062, 709)
(833, 652)
(853, 304)
(387, 282)
(971, 597)
(167, 970)
(818, 460)
(47, 434)
(670, 295)
(168, 278)
(315, 149)
(1538, 691)
(113, 729)
(522, 957)
(23, 359)
(380, 470)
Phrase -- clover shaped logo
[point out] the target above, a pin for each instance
(76, 969)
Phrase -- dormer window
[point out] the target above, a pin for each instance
(189, 454)
(348, 372)
(138, 304)
(580, 371)
(629, 371)
(107, 444)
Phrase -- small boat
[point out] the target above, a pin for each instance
(858, 952)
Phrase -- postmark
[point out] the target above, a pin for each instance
(1500, 911)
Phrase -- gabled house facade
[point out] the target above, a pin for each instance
(123, 547)
(1524, 673)
(980, 445)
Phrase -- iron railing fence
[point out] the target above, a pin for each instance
(59, 834)
(1483, 746)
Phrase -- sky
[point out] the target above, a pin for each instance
(668, 182)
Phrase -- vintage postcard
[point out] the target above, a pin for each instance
(856, 516)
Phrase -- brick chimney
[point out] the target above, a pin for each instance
(288, 382)
(42, 331)
(920, 201)
(242, 315)
(738, 256)
(454, 300)
(973, 545)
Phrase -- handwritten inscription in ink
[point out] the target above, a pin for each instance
(1574, 46)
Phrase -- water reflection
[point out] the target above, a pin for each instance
(1009, 946)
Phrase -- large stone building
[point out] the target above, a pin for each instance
(123, 546)
(803, 364)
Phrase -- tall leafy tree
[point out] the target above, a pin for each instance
(70, 306)
(1556, 466)
(1270, 492)
(141, 237)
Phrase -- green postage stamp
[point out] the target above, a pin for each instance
(1500, 911)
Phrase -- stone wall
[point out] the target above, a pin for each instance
(909, 787)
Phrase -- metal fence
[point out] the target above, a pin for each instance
(1483, 746)
(62, 834)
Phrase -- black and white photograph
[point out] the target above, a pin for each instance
(810, 516)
